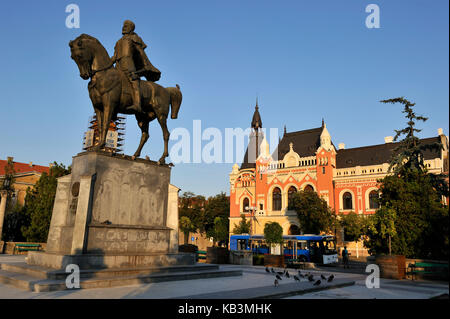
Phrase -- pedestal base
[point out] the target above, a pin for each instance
(99, 261)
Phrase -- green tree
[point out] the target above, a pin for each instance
(353, 225)
(412, 219)
(216, 206)
(219, 232)
(193, 207)
(313, 212)
(13, 223)
(186, 227)
(273, 233)
(243, 227)
(39, 204)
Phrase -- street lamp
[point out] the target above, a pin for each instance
(252, 210)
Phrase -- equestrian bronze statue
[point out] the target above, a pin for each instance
(118, 89)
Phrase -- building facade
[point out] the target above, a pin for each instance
(308, 160)
(25, 175)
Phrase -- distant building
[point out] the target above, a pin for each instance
(26, 175)
(308, 160)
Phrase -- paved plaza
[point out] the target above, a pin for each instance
(242, 287)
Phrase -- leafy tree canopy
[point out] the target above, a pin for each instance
(354, 226)
(39, 204)
(313, 212)
(412, 219)
(273, 233)
(243, 227)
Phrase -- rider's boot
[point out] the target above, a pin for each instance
(136, 97)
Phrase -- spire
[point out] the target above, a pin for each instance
(323, 122)
(256, 121)
(284, 129)
(325, 138)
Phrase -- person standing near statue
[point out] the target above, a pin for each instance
(131, 59)
(345, 257)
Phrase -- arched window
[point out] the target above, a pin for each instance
(276, 199)
(347, 200)
(292, 190)
(308, 188)
(245, 205)
(373, 200)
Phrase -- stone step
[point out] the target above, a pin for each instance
(31, 283)
(48, 273)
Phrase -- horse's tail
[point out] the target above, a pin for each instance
(175, 100)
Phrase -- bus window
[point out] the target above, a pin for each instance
(302, 244)
(241, 244)
(330, 246)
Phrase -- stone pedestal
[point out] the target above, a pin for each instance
(113, 212)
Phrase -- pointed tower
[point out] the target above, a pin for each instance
(326, 162)
(256, 126)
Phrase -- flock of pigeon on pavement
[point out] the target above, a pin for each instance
(309, 276)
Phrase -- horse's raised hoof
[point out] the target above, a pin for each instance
(162, 161)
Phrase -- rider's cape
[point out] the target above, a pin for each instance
(133, 43)
(141, 60)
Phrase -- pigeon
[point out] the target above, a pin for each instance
(278, 277)
(267, 270)
(330, 279)
(275, 283)
(317, 283)
(323, 277)
(311, 278)
(296, 278)
(272, 271)
(280, 272)
(287, 274)
(299, 272)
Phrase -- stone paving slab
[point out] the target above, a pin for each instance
(31, 283)
(280, 291)
(252, 277)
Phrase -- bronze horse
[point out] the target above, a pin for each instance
(110, 93)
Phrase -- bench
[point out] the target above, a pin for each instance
(201, 254)
(296, 263)
(427, 269)
(26, 247)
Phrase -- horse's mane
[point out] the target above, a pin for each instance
(85, 36)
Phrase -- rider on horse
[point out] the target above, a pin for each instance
(131, 59)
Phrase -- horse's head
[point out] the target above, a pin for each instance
(82, 53)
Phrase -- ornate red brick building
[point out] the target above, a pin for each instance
(308, 159)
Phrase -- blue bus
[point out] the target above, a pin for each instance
(305, 248)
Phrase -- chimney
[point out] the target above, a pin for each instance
(10, 158)
(388, 139)
(341, 146)
(440, 131)
(31, 164)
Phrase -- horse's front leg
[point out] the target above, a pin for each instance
(99, 118)
(143, 123)
(162, 119)
(108, 109)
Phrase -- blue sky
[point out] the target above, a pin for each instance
(303, 59)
